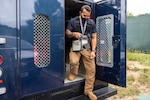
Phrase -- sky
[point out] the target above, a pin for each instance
(137, 7)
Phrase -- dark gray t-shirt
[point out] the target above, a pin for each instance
(74, 25)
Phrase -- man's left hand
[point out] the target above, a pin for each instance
(92, 56)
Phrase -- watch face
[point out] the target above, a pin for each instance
(94, 51)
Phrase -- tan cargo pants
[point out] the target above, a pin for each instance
(89, 65)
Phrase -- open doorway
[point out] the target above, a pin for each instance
(72, 9)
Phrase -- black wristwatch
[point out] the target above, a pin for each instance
(94, 51)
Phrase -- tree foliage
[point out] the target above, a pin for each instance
(129, 14)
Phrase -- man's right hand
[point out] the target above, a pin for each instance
(70, 34)
(77, 35)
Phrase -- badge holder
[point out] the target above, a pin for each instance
(76, 45)
(85, 43)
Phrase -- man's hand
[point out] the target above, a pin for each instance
(92, 56)
(70, 34)
(77, 35)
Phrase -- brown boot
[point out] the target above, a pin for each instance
(91, 95)
(71, 77)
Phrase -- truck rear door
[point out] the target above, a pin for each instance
(110, 17)
(41, 43)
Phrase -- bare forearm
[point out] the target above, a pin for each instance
(94, 41)
(69, 34)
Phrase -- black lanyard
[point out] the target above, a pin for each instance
(83, 28)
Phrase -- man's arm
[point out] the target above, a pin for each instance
(94, 41)
(93, 44)
(70, 34)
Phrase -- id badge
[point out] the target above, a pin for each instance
(84, 40)
(76, 45)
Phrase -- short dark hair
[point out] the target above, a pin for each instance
(87, 7)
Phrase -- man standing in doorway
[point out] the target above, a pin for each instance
(82, 30)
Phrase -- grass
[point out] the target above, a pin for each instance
(134, 82)
(144, 77)
(130, 90)
(143, 58)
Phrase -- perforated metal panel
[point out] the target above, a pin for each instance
(105, 29)
(41, 40)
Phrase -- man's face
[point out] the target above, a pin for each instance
(85, 14)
